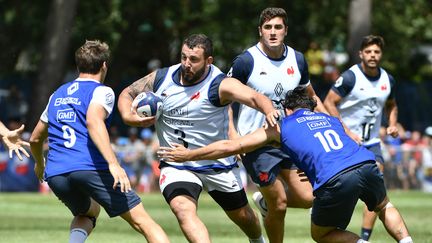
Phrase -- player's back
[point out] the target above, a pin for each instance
(319, 145)
(70, 145)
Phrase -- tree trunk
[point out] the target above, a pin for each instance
(51, 69)
(359, 26)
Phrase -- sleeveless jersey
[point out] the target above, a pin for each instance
(70, 145)
(273, 78)
(192, 116)
(319, 146)
(363, 100)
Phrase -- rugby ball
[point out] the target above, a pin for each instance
(147, 104)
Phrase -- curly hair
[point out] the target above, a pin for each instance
(298, 98)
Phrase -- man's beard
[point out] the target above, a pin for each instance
(194, 78)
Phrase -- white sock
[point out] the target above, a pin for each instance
(362, 241)
(406, 240)
(77, 235)
(258, 240)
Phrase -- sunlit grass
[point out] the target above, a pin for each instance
(28, 217)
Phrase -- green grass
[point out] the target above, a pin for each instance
(27, 217)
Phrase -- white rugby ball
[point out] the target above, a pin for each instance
(148, 104)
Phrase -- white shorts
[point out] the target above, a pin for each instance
(227, 181)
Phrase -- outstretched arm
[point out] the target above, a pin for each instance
(223, 148)
(12, 140)
(232, 89)
(128, 114)
(39, 135)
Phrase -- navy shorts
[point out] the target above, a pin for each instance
(76, 188)
(376, 149)
(335, 201)
(264, 164)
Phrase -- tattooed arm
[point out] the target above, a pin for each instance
(129, 116)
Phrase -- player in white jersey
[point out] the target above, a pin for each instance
(196, 95)
(273, 68)
(359, 97)
(12, 140)
(81, 167)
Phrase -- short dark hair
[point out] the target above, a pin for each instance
(372, 40)
(90, 57)
(202, 41)
(298, 98)
(270, 13)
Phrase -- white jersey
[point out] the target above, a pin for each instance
(192, 116)
(273, 78)
(363, 100)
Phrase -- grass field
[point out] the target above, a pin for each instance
(28, 217)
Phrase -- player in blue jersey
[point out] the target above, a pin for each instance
(81, 167)
(12, 140)
(196, 97)
(359, 97)
(273, 68)
(340, 170)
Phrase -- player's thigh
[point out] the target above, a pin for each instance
(317, 232)
(76, 200)
(175, 182)
(99, 186)
(275, 194)
(263, 165)
(298, 185)
(226, 188)
(335, 201)
(372, 185)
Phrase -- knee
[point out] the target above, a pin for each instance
(182, 210)
(278, 205)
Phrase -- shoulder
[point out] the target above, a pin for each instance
(242, 67)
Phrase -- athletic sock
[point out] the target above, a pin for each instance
(365, 233)
(258, 240)
(77, 235)
(362, 241)
(406, 240)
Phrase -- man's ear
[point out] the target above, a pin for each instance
(209, 60)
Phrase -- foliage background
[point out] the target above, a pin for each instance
(39, 41)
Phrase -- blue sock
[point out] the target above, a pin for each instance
(365, 233)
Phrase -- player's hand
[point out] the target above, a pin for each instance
(393, 131)
(120, 177)
(133, 119)
(39, 171)
(15, 144)
(273, 117)
(177, 153)
(302, 175)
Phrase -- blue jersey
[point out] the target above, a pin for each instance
(70, 145)
(319, 146)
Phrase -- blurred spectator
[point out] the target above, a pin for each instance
(150, 166)
(315, 59)
(412, 159)
(13, 106)
(392, 153)
(133, 156)
(426, 174)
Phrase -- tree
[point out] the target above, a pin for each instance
(57, 39)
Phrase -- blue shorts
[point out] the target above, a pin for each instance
(76, 188)
(335, 201)
(264, 164)
(376, 149)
